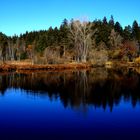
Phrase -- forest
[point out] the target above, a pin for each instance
(79, 41)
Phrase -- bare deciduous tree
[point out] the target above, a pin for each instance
(80, 34)
(115, 39)
(11, 49)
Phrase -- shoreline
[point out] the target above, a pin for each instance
(29, 67)
(19, 66)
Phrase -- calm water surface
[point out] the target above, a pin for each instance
(95, 104)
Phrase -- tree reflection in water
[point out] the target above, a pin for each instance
(98, 87)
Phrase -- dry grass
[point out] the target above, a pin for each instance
(27, 65)
(23, 62)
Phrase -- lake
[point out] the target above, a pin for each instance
(88, 104)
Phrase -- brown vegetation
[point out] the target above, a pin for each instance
(27, 65)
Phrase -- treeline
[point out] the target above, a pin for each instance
(74, 41)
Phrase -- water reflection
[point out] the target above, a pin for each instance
(97, 87)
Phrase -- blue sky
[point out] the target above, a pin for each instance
(19, 16)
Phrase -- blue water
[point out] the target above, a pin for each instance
(30, 115)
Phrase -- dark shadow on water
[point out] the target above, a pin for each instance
(97, 87)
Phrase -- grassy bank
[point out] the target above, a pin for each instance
(26, 65)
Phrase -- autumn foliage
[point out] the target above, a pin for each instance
(75, 41)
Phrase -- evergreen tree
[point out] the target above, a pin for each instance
(64, 32)
(136, 31)
(50, 37)
(103, 32)
(111, 21)
(127, 33)
(41, 44)
(104, 20)
(118, 28)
